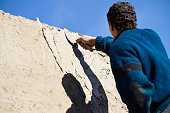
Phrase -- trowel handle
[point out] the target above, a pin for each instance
(89, 48)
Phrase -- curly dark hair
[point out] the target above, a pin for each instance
(122, 15)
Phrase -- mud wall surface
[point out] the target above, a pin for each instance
(40, 72)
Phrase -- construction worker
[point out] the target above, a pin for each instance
(139, 61)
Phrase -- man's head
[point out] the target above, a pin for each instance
(121, 16)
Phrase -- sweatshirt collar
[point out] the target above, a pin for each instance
(119, 35)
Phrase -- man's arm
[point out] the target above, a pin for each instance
(132, 84)
(101, 43)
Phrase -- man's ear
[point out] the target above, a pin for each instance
(111, 26)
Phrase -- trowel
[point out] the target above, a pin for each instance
(76, 45)
(71, 43)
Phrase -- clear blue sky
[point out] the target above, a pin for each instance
(89, 16)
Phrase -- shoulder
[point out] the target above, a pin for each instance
(125, 41)
(135, 36)
(138, 32)
(123, 48)
(128, 42)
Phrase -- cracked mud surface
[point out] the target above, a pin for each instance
(40, 72)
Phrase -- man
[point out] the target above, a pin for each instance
(138, 60)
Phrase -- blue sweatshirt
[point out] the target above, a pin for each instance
(141, 68)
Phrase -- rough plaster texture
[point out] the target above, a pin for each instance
(40, 72)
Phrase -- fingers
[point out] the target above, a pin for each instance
(82, 39)
(83, 45)
(86, 41)
(82, 42)
(79, 40)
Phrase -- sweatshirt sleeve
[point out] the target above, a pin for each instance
(132, 84)
(103, 44)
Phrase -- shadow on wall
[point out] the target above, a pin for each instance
(98, 103)
(76, 94)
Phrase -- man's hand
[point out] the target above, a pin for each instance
(86, 41)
